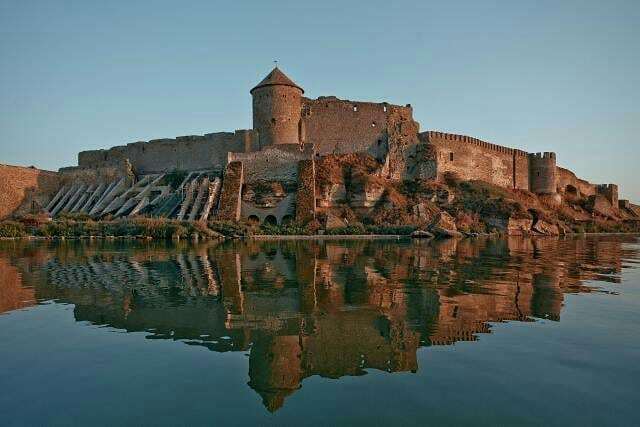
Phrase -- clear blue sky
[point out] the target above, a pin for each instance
(539, 75)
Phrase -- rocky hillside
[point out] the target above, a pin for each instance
(353, 192)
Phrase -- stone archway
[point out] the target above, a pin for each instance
(270, 220)
(253, 220)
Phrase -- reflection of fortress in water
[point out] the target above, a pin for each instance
(310, 308)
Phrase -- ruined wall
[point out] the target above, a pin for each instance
(473, 159)
(273, 163)
(337, 126)
(230, 200)
(306, 192)
(108, 171)
(568, 180)
(25, 190)
(193, 152)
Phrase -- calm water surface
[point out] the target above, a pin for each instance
(482, 332)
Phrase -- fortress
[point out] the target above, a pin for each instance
(270, 172)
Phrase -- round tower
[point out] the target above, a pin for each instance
(542, 173)
(277, 103)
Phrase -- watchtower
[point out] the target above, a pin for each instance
(277, 109)
(542, 173)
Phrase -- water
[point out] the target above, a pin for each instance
(482, 332)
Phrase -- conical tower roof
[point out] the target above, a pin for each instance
(276, 77)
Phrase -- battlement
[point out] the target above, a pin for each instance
(543, 174)
(354, 106)
(606, 187)
(546, 155)
(464, 139)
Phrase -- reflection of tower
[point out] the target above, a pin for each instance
(276, 110)
(275, 368)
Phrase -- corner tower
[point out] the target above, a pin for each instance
(276, 109)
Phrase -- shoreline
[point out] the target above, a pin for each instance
(266, 237)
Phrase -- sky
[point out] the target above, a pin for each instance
(557, 76)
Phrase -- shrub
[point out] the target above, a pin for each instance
(352, 229)
(230, 228)
(175, 178)
(291, 229)
(12, 229)
(402, 230)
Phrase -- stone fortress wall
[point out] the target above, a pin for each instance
(289, 128)
(469, 158)
(337, 126)
(274, 163)
(193, 152)
(472, 159)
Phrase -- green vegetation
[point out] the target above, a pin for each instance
(12, 229)
(357, 229)
(156, 228)
(230, 229)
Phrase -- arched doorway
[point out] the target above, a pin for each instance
(570, 189)
(270, 220)
(253, 220)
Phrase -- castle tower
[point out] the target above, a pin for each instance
(610, 192)
(276, 109)
(542, 173)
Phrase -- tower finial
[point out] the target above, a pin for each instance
(275, 61)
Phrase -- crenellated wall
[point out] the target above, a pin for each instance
(472, 159)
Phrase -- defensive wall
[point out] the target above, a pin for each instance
(337, 126)
(472, 159)
(273, 163)
(25, 190)
(568, 182)
(193, 152)
(107, 171)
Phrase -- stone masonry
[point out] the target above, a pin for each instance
(266, 172)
